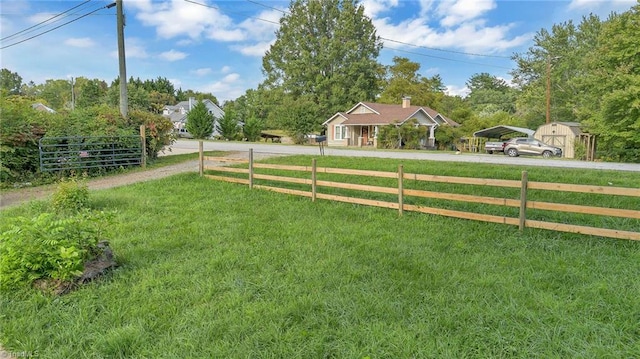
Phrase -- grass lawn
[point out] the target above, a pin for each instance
(214, 270)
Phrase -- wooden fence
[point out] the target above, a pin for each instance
(522, 203)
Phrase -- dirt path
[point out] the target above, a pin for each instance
(17, 197)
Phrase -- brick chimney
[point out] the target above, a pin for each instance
(406, 102)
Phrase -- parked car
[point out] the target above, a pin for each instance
(529, 146)
(494, 147)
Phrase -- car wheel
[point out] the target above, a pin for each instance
(512, 152)
(546, 154)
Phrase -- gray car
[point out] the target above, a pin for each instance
(529, 146)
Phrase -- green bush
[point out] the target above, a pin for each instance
(20, 129)
(48, 247)
(72, 195)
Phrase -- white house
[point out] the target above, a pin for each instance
(178, 114)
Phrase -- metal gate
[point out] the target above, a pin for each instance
(88, 152)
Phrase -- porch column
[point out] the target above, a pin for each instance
(432, 138)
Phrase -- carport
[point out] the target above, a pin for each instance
(500, 133)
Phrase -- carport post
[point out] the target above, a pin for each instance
(523, 200)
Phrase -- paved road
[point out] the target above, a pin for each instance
(189, 146)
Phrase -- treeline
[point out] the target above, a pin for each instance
(81, 93)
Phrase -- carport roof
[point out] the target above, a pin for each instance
(501, 130)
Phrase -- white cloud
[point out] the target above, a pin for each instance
(38, 17)
(453, 90)
(225, 69)
(230, 87)
(466, 29)
(374, 7)
(597, 4)
(172, 55)
(202, 71)
(176, 83)
(180, 18)
(133, 49)
(260, 29)
(80, 42)
(257, 50)
(459, 11)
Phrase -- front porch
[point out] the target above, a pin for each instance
(367, 136)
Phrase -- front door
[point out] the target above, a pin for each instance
(365, 135)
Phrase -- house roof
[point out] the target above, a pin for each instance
(501, 130)
(42, 107)
(385, 114)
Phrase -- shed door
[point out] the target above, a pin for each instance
(555, 140)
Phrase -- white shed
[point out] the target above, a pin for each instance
(561, 134)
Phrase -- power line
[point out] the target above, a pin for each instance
(445, 50)
(409, 44)
(59, 26)
(269, 7)
(45, 21)
(448, 59)
(396, 41)
(217, 8)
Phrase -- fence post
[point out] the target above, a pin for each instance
(251, 168)
(313, 180)
(400, 189)
(200, 158)
(143, 139)
(523, 200)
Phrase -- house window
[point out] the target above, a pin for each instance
(340, 132)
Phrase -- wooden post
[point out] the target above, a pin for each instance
(251, 168)
(523, 200)
(400, 190)
(143, 139)
(313, 180)
(200, 158)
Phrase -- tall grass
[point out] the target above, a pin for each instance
(211, 269)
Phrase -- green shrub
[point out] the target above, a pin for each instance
(72, 195)
(48, 247)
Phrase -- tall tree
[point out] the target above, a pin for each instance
(403, 79)
(325, 53)
(56, 93)
(10, 82)
(227, 126)
(199, 121)
(89, 92)
(611, 88)
(489, 95)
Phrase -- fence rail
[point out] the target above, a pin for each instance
(524, 205)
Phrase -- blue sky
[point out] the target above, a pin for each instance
(217, 46)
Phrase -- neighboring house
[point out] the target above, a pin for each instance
(42, 107)
(360, 125)
(178, 114)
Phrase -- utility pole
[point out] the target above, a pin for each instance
(124, 102)
(548, 89)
